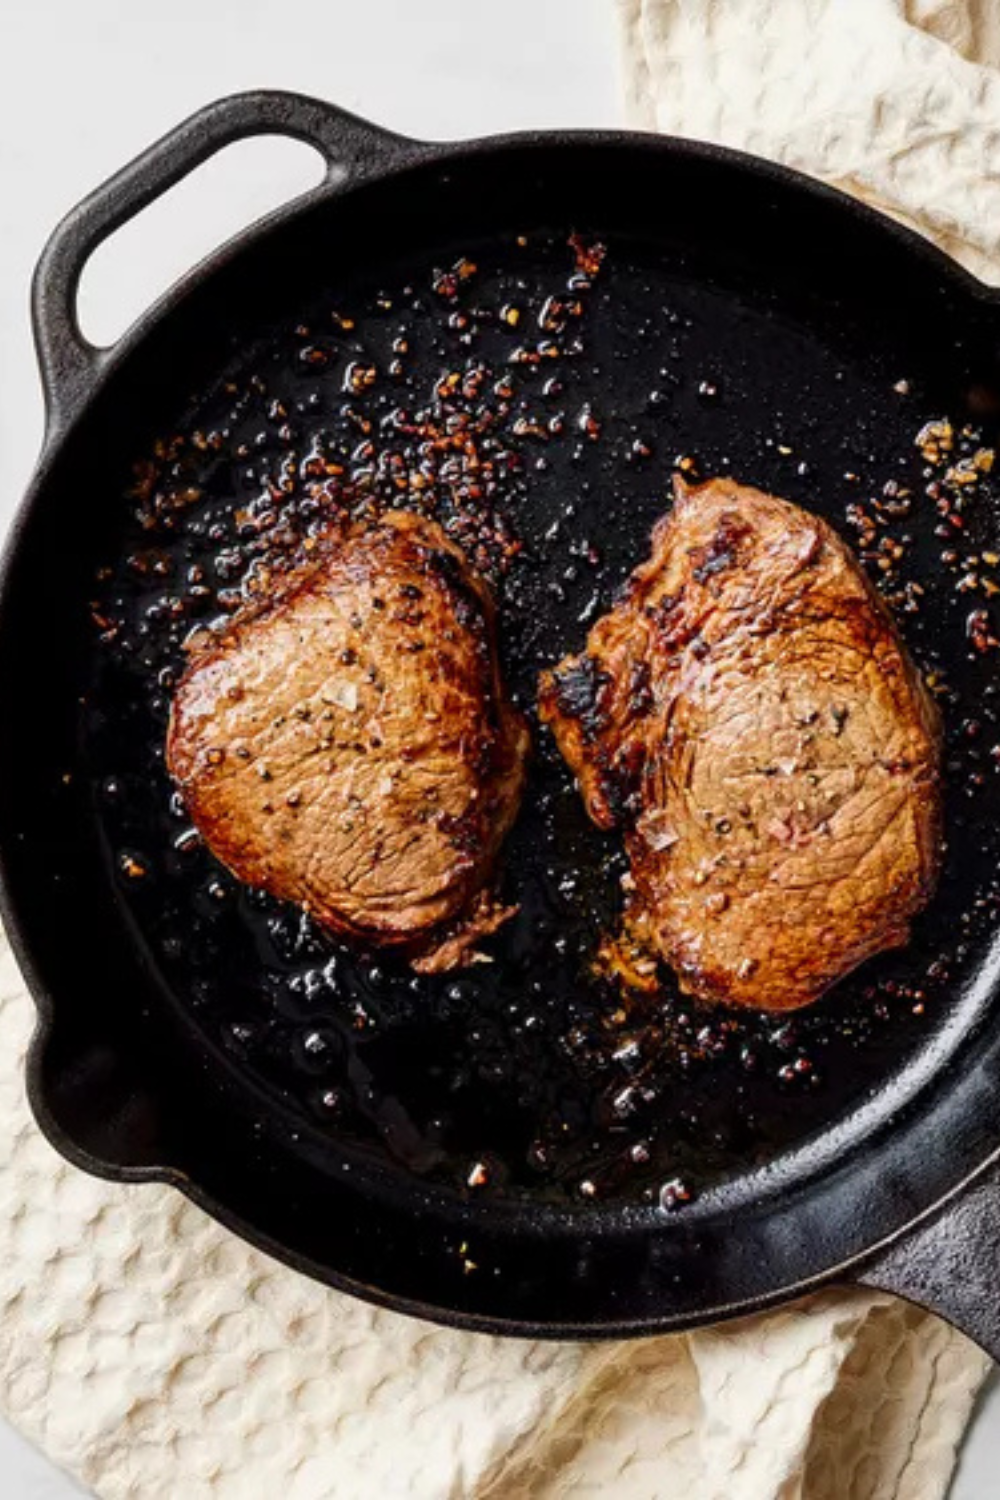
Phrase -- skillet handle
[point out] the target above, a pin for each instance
(950, 1263)
(69, 364)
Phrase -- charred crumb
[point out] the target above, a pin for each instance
(936, 439)
(133, 866)
(980, 628)
(589, 256)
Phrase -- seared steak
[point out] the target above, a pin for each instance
(749, 716)
(347, 745)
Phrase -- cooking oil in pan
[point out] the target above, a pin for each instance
(535, 397)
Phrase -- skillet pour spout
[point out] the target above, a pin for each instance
(139, 1067)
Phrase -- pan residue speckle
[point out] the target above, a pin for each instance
(535, 398)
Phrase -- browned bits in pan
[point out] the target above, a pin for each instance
(627, 1095)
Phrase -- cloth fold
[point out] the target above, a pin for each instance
(155, 1356)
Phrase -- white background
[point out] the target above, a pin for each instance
(85, 84)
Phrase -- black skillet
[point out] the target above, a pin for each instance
(510, 1149)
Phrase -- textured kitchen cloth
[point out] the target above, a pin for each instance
(157, 1357)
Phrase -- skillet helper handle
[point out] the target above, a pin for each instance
(950, 1262)
(69, 363)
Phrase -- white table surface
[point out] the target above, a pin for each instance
(83, 86)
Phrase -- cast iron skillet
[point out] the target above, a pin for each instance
(743, 312)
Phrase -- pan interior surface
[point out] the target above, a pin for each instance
(553, 344)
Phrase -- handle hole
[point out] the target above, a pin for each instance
(219, 198)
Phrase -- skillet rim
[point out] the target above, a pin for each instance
(64, 421)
